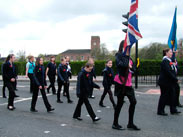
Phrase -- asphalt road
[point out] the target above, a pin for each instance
(22, 123)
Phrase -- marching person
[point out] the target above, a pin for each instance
(108, 80)
(68, 71)
(4, 86)
(39, 77)
(167, 82)
(29, 72)
(9, 77)
(92, 76)
(51, 72)
(177, 86)
(63, 80)
(83, 90)
(123, 87)
(14, 84)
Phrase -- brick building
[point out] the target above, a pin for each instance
(82, 54)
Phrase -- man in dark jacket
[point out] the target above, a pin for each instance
(83, 88)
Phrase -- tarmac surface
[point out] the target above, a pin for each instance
(23, 123)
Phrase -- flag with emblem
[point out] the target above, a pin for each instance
(172, 40)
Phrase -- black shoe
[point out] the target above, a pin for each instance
(133, 127)
(10, 108)
(180, 105)
(96, 119)
(175, 113)
(77, 118)
(16, 96)
(70, 101)
(33, 110)
(117, 127)
(59, 101)
(162, 114)
(50, 109)
(92, 97)
(101, 105)
(4, 97)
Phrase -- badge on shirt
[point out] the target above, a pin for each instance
(87, 75)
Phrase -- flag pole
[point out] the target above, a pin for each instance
(136, 62)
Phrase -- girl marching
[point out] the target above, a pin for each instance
(9, 77)
(40, 84)
(108, 80)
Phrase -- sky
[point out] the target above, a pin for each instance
(53, 26)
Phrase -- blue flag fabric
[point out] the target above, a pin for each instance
(172, 40)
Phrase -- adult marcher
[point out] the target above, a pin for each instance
(123, 87)
(167, 82)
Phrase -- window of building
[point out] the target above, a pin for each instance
(82, 58)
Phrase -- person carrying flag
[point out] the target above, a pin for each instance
(123, 87)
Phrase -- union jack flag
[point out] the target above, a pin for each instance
(133, 33)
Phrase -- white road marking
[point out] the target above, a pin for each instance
(88, 115)
(46, 132)
(108, 107)
(18, 86)
(99, 111)
(23, 99)
(63, 125)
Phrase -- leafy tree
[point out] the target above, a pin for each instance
(21, 56)
(41, 56)
(152, 51)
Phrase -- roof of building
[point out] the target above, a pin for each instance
(2, 59)
(76, 51)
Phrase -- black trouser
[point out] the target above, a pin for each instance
(10, 87)
(52, 83)
(107, 90)
(91, 92)
(177, 91)
(35, 96)
(3, 89)
(122, 92)
(31, 82)
(167, 95)
(66, 90)
(15, 84)
(77, 112)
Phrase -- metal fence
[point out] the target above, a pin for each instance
(151, 80)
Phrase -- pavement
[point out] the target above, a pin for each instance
(22, 123)
(23, 78)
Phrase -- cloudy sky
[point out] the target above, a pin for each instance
(53, 26)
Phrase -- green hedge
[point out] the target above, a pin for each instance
(147, 67)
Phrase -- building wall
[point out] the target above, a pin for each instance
(95, 42)
(77, 57)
